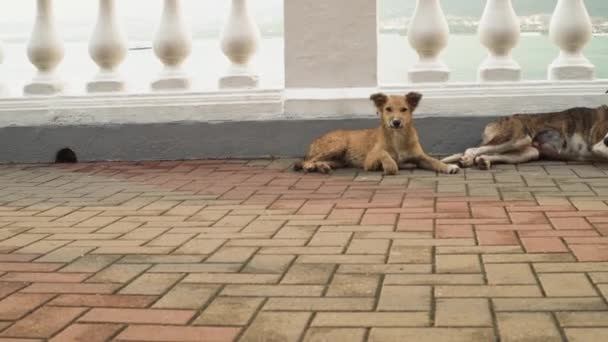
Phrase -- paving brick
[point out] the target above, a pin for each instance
(566, 285)
(582, 319)
(320, 304)
(187, 296)
(368, 246)
(229, 311)
(70, 288)
(109, 301)
(200, 246)
(28, 267)
(308, 274)
(232, 254)
(340, 259)
(140, 316)
(277, 326)
(42, 323)
(433, 279)
(34, 277)
(528, 217)
(177, 334)
(544, 245)
(588, 252)
(497, 238)
(18, 305)
(549, 304)
(462, 312)
(272, 290)
(151, 284)
(90, 263)
(232, 278)
(432, 334)
(587, 334)
(527, 326)
(335, 334)
(118, 273)
(506, 274)
(457, 263)
(405, 298)
(370, 319)
(87, 332)
(384, 268)
(268, 264)
(351, 285)
(570, 223)
(569, 267)
(454, 231)
(195, 268)
(410, 255)
(487, 291)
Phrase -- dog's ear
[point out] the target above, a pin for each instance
(379, 100)
(413, 99)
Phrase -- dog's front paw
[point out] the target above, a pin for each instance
(323, 167)
(466, 161)
(483, 163)
(452, 169)
(390, 170)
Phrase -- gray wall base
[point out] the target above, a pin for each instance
(200, 140)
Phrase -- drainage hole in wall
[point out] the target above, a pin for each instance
(66, 156)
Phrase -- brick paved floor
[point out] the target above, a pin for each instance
(249, 251)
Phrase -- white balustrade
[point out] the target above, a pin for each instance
(499, 32)
(239, 42)
(108, 49)
(172, 45)
(428, 34)
(45, 51)
(571, 30)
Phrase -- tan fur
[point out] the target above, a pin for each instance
(514, 139)
(382, 148)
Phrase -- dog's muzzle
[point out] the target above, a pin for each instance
(396, 124)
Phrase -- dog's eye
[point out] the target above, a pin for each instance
(403, 110)
(389, 109)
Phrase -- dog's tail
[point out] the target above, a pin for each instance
(298, 166)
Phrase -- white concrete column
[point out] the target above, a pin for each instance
(3, 90)
(331, 43)
(499, 32)
(172, 45)
(428, 34)
(108, 49)
(571, 30)
(45, 51)
(239, 42)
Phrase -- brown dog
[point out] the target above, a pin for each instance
(576, 134)
(395, 142)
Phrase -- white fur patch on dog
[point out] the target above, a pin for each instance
(600, 149)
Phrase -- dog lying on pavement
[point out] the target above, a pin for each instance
(385, 148)
(577, 134)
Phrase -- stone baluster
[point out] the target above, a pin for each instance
(108, 49)
(499, 32)
(571, 30)
(172, 46)
(428, 34)
(239, 42)
(45, 51)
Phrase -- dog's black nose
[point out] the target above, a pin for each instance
(396, 123)
(606, 141)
